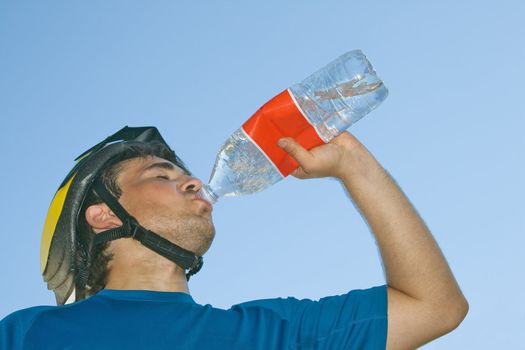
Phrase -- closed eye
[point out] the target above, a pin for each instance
(164, 169)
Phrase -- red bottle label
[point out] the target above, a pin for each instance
(281, 117)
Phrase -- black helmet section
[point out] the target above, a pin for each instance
(58, 259)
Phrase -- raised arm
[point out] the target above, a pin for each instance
(424, 299)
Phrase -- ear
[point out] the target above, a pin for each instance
(100, 217)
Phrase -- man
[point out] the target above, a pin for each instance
(127, 228)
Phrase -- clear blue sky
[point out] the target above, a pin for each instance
(450, 132)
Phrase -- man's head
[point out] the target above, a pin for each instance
(131, 177)
(154, 187)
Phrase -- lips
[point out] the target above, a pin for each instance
(197, 198)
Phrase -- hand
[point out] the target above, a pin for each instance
(331, 159)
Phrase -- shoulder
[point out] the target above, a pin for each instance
(15, 325)
(19, 326)
(363, 303)
(25, 315)
(358, 317)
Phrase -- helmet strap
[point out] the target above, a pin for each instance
(132, 229)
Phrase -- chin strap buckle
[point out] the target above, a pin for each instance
(133, 228)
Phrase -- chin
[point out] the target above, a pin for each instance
(193, 233)
(204, 241)
(196, 236)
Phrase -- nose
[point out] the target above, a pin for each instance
(191, 184)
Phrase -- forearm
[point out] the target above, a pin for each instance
(413, 262)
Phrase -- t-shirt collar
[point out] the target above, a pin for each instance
(147, 295)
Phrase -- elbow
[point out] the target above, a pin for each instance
(454, 313)
(461, 312)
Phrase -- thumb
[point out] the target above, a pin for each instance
(295, 150)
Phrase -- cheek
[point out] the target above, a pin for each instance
(152, 197)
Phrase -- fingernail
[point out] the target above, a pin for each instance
(282, 143)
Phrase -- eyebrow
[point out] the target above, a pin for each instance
(164, 165)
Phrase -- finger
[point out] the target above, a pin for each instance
(299, 173)
(295, 150)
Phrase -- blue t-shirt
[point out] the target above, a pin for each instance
(138, 319)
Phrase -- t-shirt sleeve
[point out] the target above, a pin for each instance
(356, 320)
(13, 327)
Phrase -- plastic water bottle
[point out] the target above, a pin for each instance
(312, 112)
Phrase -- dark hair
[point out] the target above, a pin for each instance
(91, 262)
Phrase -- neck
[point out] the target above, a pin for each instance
(135, 267)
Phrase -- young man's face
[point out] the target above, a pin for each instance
(162, 197)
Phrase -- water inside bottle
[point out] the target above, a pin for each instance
(241, 168)
(334, 108)
(340, 94)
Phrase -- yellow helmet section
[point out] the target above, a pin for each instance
(53, 214)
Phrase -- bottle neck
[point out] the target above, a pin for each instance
(208, 194)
